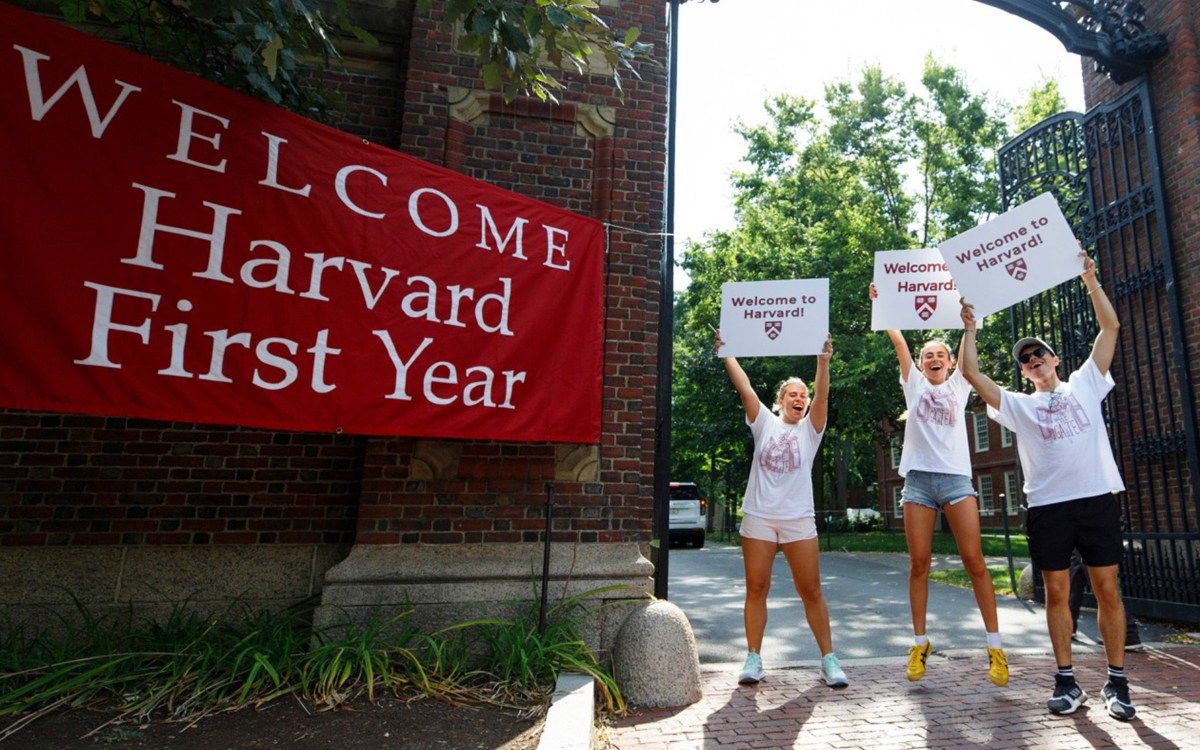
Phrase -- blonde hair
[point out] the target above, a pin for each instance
(935, 342)
(779, 391)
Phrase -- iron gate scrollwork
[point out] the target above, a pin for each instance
(1103, 167)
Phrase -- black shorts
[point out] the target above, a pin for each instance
(1090, 524)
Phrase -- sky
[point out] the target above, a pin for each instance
(734, 54)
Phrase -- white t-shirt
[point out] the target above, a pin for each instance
(1061, 438)
(780, 485)
(935, 433)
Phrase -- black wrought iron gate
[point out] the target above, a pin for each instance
(1103, 167)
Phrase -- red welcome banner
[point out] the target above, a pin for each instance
(177, 251)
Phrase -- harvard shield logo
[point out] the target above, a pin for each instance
(925, 305)
(1017, 269)
(773, 328)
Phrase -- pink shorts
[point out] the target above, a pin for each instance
(779, 531)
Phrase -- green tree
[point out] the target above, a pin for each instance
(1044, 100)
(521, 45)
(277, 50)
(882, 169)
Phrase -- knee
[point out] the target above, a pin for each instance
(918, 568)
(810, 593)
(757, 592)
(975, 566)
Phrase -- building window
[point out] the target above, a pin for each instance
(1012, 493)
(1006, 437)
(985, 494)
(981, 432)
(897, 501)
(895, 451)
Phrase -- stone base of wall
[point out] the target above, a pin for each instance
(444, 584)
(43, 586)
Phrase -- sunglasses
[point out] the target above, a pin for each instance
(1039, 352)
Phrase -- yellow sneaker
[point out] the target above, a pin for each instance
(997, 667)
(916, 660)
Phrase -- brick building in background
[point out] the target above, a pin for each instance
(993, 472)
(117, 512)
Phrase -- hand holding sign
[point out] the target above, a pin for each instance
(774, 318)
(1013, 257)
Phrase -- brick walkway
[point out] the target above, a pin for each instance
(953, 707)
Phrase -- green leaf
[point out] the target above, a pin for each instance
(631, 35)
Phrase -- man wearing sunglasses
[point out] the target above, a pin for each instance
(1071, 481)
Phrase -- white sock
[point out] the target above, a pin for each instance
(993, 640)
(920, 640)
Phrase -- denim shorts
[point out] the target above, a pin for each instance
(935, 490)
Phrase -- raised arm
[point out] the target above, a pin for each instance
(903, 355)
(968, 361)
(741, 383)
(1106, 342)
(818, 410)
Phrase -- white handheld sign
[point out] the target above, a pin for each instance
(774, 318)
(1013, 257)
(914, 292)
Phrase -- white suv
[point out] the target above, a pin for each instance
(687, 513)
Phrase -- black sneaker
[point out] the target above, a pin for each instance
(1133, 642)
(1116, 700)
(1067, 697)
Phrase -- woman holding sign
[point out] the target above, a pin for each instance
(936, 467)
(779, 510)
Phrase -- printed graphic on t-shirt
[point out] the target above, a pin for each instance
(937, 408)
(1063, 417)
(781, 454)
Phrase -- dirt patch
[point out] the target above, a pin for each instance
(424, 724)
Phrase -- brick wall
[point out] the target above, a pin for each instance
(78, 480)
(592, 154)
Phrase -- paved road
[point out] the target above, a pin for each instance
(868, 605)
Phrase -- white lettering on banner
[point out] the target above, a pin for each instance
(556, 238)
(414, 205)
(216, 238)
(483, 386)
(39, 106)
(187, 135)
(272, 178)
(339, 186)
(103, 324)
(487, 222)
(298, 226)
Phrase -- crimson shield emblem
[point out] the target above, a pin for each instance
(1017, 269)
(925, 305)
(773, 328)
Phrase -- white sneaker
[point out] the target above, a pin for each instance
(752, 670)
(831, 671)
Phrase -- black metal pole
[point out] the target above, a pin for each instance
(546, 556)
(666, 327)
(1012, 574)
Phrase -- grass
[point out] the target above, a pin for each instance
(190, 666)
(943, 543)
(1000, 579)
